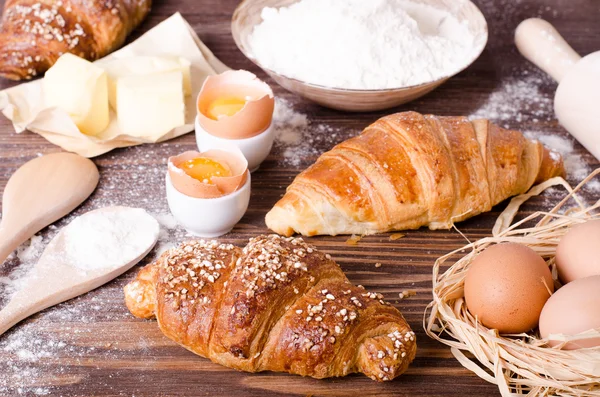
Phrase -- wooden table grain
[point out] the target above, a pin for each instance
(92, 346)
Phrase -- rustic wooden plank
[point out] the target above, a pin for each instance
(92, 346)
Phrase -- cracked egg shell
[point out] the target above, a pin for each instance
(252, 119)
(232, 159)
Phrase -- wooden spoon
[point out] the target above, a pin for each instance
(55, 278)
(41, 192)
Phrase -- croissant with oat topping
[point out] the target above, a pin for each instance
(277, 305)
(34, 33)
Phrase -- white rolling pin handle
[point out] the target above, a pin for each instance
(541, 44)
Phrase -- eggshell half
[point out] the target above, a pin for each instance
(574, 310)
(220, 186)
(253, 119)
(507, 286)
(578, 252)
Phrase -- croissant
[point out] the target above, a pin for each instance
(408, 170)
(34, 33)
(277, 305)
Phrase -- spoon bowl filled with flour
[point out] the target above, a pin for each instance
(359, 55)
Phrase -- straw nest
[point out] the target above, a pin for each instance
(520, 364)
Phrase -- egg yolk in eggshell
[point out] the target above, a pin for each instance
(204, 169)
(225, 107)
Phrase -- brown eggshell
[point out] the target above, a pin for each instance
(578, 252)
(574, 309)
(254, 118)
(220, 186)
(507, 286)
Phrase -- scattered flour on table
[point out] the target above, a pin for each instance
(167, 220)
(170, 234)
(575, 165)
(298, 138)
(27, 255)
(593, 186)
(290, 126)
(32, 251)
(32, 354)
(360, 44)
(517, 100)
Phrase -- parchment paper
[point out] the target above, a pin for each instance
(172, 37)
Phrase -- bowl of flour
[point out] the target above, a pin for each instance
(360, 55)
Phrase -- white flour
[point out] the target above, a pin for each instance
(297, 138)
(361, 44)
(289, 124)
(517, 100)
(291, 130)
(576, 166)
(27, 255)
(170, 233)
(98, 240)
(34, 360)
(34, 354)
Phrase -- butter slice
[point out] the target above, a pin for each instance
(151, 104)
(144, 65)
(81, 89)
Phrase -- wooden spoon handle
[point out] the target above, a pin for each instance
(45, 286)
(11, 239)
(20, 307)
(15, 312)
(540, 43)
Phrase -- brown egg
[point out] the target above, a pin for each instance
(507, 286)
(573, 310)
(578, 252)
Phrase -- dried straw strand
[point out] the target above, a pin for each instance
(519, 364)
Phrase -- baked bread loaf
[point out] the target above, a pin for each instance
(34, 33)
(408, 170)
(277, 305)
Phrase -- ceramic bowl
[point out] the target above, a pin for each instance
(248, 14)
(255, 149)
(210, 217)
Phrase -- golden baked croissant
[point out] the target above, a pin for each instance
(34, 33)
(277, 305)
(408, 170)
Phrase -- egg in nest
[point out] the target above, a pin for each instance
(507, 286)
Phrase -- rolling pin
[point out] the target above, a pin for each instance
(577, 99)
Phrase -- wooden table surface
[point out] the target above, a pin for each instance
(92, 346)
